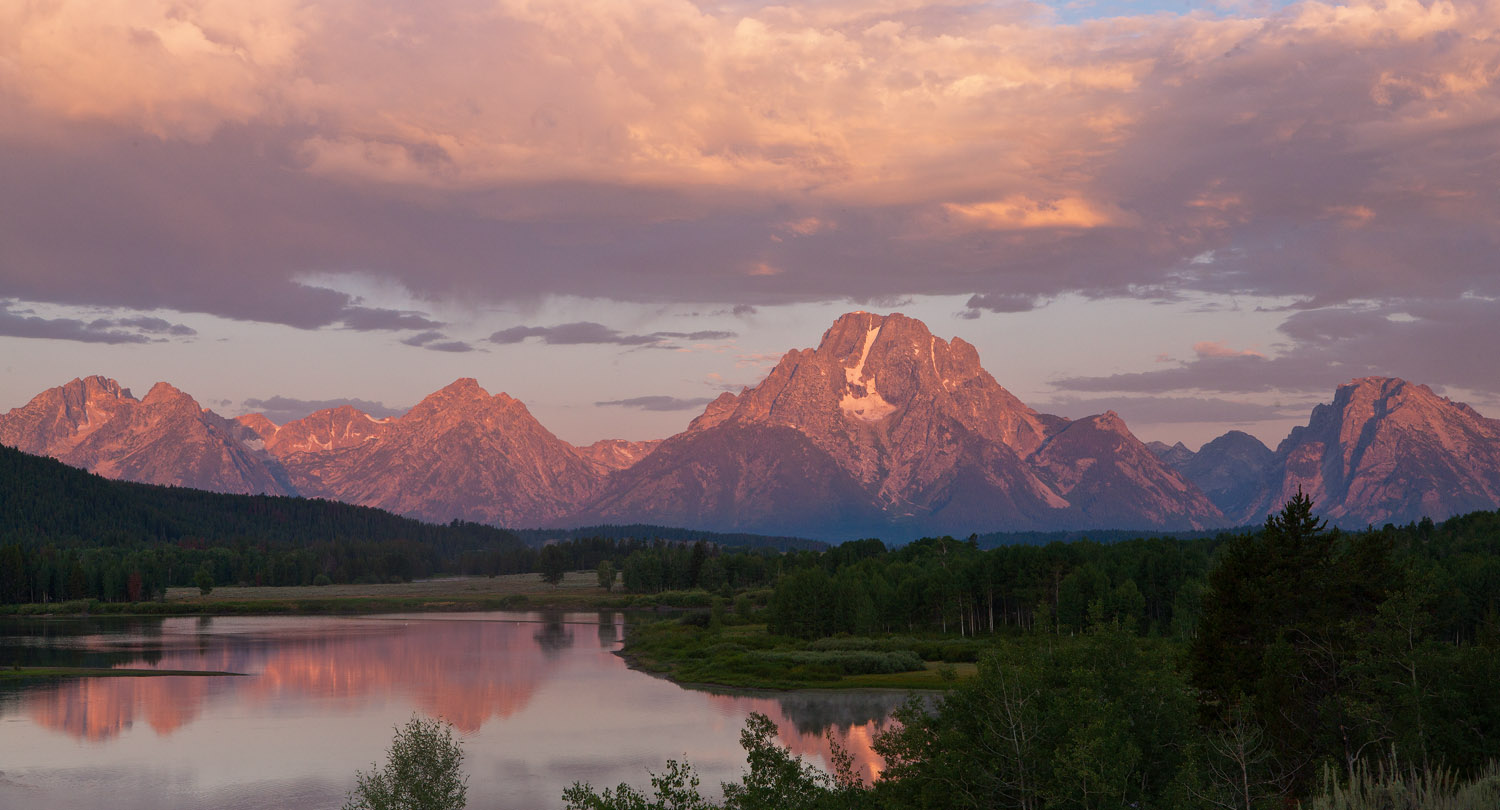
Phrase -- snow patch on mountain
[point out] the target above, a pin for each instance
(868, 404)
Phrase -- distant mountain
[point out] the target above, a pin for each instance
(1230, 470)
(1172, 455)
(885, 428)
(1386, 450)
(608, 455)
(166, 438)
(460, 453)
(1113, 480)
(881, 430)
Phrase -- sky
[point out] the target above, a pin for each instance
(1202, 216)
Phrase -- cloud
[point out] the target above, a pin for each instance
(668, 151)
(1149, 410)
(1216, 348)
(587, 332)
(659, 403)
(1020, 212)
(280, 409)
(437, 342)
(368, 319)
(147, 324)
(25, 323)
(1432, 341)
(1002, 302)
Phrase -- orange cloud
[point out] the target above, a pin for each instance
(1019, 212)
(854, 101)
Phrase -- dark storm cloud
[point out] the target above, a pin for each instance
(659, 403)
(1435, 342)
(280, 409)
(586, 332)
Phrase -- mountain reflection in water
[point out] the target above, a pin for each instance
(537, 698)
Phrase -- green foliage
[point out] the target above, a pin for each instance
(675, 789)
(1095, 722)
(843, 662)
(1286, 615)
(553, 564)
(423, 771)
(606, 573)
(66, 534)
(204, 579)
(775, 779)
(1171, 676)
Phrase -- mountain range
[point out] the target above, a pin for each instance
(883, 430)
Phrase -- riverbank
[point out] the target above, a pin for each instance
(579, 590)
(747, 656)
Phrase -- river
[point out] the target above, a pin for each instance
(538, 701)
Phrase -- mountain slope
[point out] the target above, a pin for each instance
(882, 429)
(165, 438)
(460, 453)
(1229, 470)
(1386, 450)
(1111, 479)
(923, 438)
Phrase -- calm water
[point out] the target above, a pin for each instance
(538, 700)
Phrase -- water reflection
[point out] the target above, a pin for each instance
(807, 721)
(538, 699)
(464, 672)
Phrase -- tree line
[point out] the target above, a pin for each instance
(1285, 667)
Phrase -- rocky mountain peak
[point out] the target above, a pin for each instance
(1389, 450)
(259, 424)
(461, 388)
(717, 411)
(164, 393)
(98, 387)
(872, 376)
(1172, 455)
(906, 427)
(334, 428)
(165, 438)
(463, 399)
(608, 455)
(1229, 470)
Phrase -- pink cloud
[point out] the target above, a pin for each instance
(664, 149)
(1217, 348)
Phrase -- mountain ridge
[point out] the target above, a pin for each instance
(881, 429)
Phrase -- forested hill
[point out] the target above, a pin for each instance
(640, 531)
(44, 502)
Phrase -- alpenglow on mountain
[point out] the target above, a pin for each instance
(882, 430)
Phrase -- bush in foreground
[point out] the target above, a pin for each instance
(422, 772)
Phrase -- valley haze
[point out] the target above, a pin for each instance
(883, 429)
